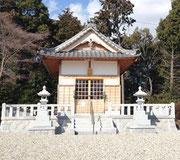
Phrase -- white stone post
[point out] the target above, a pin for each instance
(38, 108)
(72, 109)
(59, 109)
(3, 111)
(148, 109)
(25, 110)
(17, 111)
(173, 110)
(161, 110)
(65, 109)
(116, 109)
(122, 110)
(109, 108)
(10, 111)
(128, 110)
(31, 111)
(52, 111)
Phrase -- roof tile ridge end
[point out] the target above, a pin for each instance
(61, 46)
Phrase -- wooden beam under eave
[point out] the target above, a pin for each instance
(92, 58)
(126, 63)
(52, 65)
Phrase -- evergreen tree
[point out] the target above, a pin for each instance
(145, 71)
(168, 33)
(7, 5)
(113, 19)
(67, 27)
(32, 15)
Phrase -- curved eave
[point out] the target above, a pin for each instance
(52, 63)
(89, 54)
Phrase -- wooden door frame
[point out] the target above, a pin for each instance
(89, 93)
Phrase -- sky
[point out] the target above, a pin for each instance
(147, 13)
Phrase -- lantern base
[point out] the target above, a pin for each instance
(42, 131)
(141, 129)
(141, 123)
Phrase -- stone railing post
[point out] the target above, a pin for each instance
(31, 111)
(116, 108)
(173, 110)
(109, 108)
(72, 109)
(65, 109)
(128, 110)
(38, 107)
(10, 111)
(3, 111)
(148, 109)
(59, 109)
(17, 111)
(24, 111)
(52, 111)
(122, 110)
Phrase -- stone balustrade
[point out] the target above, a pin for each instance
(158, 110)
(29, 111)
(121, 109)
(60, 109)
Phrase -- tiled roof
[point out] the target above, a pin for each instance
(57, 51)
(84, 31)
(87, 54)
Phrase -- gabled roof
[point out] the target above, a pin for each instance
(92, 27)
(89, 27)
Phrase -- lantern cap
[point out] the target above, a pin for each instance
(140, 92)
(44, 92)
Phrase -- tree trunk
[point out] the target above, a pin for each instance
(150, 86)
(2, 68)
(172, 70)
(122, 89)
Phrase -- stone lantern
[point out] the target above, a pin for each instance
(42, 124)
(44, 94)
(140, 122)
(140, 97)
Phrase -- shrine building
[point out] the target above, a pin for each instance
(88, 67)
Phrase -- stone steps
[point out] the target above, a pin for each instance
(102, 126)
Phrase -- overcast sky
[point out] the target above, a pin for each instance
(147, 13)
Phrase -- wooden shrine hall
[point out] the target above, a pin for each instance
(88, 67)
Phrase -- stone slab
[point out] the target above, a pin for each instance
(42, 131)
(141, 129)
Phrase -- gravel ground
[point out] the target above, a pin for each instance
(165, 146)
